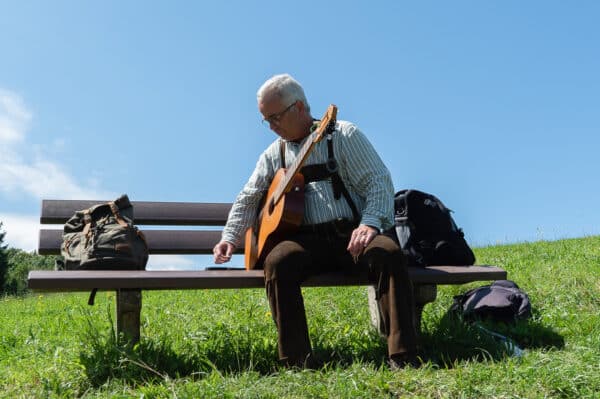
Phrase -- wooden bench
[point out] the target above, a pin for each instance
(167, 240)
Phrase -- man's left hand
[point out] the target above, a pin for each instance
(361, 237)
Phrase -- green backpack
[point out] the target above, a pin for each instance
(103, 237)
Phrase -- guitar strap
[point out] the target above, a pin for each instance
(324, 171)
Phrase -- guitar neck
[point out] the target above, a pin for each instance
(328, 121)
(286, 183)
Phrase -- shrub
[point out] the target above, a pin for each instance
(19, 263)
(3, 258)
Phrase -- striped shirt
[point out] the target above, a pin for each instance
(365, 176)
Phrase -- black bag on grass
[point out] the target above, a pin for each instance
(426, 232)
(501, 301)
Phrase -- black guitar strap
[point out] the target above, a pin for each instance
(324, 171)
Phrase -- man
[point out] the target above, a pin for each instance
(344, 213)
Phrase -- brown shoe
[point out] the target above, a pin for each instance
(400, 361)
(308, 363)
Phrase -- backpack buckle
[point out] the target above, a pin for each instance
(331, 165)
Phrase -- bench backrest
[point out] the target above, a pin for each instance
(171, 239)
(163, 241)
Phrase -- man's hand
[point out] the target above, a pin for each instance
(361, 237)
(223, 251)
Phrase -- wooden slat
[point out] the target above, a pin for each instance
(149, 213)
(180, 242)
(206, 279)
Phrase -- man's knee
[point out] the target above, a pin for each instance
(285, 262)
(384, 260)
(383, 251)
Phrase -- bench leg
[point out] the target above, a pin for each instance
(376, 318)
(423, 294)
(129, 307)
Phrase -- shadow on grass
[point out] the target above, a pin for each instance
(455, 340)
(222, 349)
(230, 350)
(105, 358)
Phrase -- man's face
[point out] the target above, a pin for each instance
(283, 119)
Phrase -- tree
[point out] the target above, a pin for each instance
(15, 265)
(20, 263)
(3, 259)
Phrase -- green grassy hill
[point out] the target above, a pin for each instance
(198, 344)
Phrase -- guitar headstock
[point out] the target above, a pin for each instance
(327, 122)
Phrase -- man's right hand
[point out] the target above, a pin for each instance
(223, 251)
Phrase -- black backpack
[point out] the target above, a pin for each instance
(426, 232)
(502, 301)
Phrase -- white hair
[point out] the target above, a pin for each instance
(285, 87)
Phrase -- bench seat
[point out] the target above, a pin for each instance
(84, 280)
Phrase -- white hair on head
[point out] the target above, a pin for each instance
(285, 87)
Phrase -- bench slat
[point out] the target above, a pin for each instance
(145, 212)
(205, 279)
(160, 242)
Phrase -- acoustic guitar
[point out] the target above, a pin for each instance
(283, 207)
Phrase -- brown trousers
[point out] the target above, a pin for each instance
(309, 253)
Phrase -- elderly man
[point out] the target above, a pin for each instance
(345, 210)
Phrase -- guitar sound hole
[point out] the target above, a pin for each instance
(271, 206)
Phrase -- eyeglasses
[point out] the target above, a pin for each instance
(275, 118)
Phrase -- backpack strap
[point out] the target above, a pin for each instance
(336, 179)
(87, 228)
(115, 211)
(92, 296)
(114, 208)
(282, 152)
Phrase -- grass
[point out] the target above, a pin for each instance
(198, 344)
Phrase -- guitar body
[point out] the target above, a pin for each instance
(275, 220)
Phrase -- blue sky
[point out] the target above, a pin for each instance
(492, 106)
